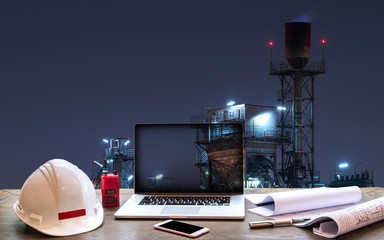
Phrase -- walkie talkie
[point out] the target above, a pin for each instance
(110, 190)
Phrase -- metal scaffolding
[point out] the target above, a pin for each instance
(220, 156)
(296, 122)
(119, 158)
(260, 141)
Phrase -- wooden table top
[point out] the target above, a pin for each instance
(12, 228)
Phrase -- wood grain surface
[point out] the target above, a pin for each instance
(12, 228)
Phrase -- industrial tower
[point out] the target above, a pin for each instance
(296, 98)
(220, 156)
(260, 141)
(119, 158)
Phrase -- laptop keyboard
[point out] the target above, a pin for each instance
(202, 201)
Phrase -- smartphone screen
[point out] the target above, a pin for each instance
(182, 228)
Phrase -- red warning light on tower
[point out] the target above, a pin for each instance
(323, 41)
(270, 43)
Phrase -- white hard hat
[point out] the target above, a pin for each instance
(58, 199)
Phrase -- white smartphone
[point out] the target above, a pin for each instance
(181, 228)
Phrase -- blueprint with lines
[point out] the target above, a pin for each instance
(333, 221)
(337, 222)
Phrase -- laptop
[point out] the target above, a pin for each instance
(189, 171)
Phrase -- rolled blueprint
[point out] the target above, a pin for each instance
(303, 200)
(349, 219)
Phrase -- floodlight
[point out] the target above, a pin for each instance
(105, 140)
(231, 103)
(343, 165)
(160, 176)
(262, 119)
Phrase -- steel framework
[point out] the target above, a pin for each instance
(297, 121)
(120, 158)
(259, 144)
(220, 156)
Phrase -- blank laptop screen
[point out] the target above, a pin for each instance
(188, 158)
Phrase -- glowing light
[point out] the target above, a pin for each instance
(281, 108)
(238, 106)
(231, 103)
(262, 119)
(253, 182)
(270, 43)
(343, 165)
(160, 176)
(130, 177)
(97, 163)
(105, 140)
(323, 41)
(127, 142)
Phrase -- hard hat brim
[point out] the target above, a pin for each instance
(68, 226)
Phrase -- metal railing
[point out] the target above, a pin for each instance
(284, 66)
(363, 178)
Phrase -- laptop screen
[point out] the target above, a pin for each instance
(189, 158)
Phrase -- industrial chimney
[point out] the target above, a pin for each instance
(296, 96)
(298, 43)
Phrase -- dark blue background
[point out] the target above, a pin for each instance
(74, 72)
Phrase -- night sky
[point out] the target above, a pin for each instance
(75, 72)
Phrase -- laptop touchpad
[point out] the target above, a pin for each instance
(180, 210)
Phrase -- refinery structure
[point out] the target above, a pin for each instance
(297, 75)
(259, 123)
(220, 156)
(278, 141)
(118, 157)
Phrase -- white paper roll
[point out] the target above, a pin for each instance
(307, 199)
